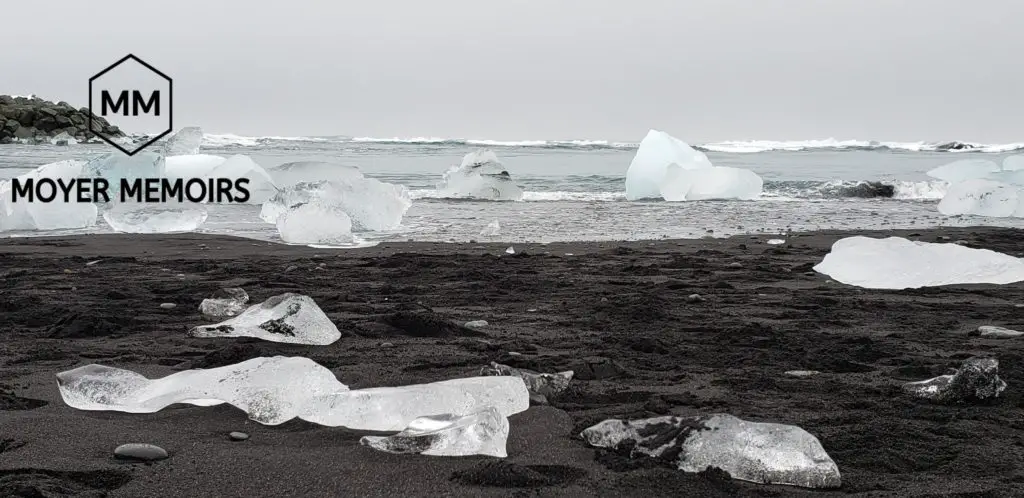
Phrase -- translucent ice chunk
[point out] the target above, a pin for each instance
(715, 182)
(315, 223)
(370, 204)
(491, 230)
(898, 263)
(1014, 163)
(261, 187)
(480, 176)
(650, 165)
(977, 380)
(55, 215)
(192, 166)
(964, 169)
(288, 174)
(982, 198)
(544, 384)
(481, 433)
(116, 166)
(185, 142)
(993, 332)
(225, 303)
(290, 318)
(168, 217)
(757, 452)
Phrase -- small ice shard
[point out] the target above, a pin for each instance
(964, 169)
(977, 381)
(63, 138)
(169, 217)
(55, 215)
(510, 250)
(763, 453)
(480, 176)
(983, 198)
(898, 263)
(649, 166)
(185, 142)
(993, 332)
(289, 318)
(544, 384)
(288, 174)
(476, 324)
(369, 203)
(482, 433)
(775, 242)
(225, 303)
(260, 186)
(192, 166)
(116, 166)
(491, 230)
(315, 223)
(715, 182)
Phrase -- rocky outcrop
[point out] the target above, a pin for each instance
(35, 120)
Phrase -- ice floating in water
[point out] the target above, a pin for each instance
(666, 167)
(185, 142)
(976, 381)
(261, 187)
(543, 384)
(510, 250)
(192, 166)
(491, 230)
(480, 176)
(750, 451)
(481, 433)
(275, 390)
(55, 215)
(965, 169)
(116, 166)
(63, 138)
(225, 303)
(288, 174)
(983, 198)
(290, 318)
(898, 263)
(169, 217)
(315, 223)
(369, 203)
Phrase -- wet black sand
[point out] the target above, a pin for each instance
(617, 313)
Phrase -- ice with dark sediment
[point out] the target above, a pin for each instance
(898, 263)
(765, 453)
(668, 168)
(543, 384)
(482, 433)
(260, 186)
(164, 217)
(481, 175)
(274, 390)
(315, 222)
(184, 142)
(977, 381)
(225, 303)
(54, 215)
(116, 166)
(288, 174)
(372, 205)
(288, 318)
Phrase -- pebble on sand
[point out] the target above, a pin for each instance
(140, 451)
(238, 436)
(168, 306)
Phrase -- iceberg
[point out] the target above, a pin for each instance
(289, 318)
(763, 453)
(315, 223)
(185, 142)
(277, 389)
(980, 197)
(897, 263)
(668, 168)
(481, 433)
(225, 303)
(288, 174)
(480, 176)
(55, 215)
(977, 381)
(716, 182)
(1014, 163)
(369, 203)
(115, 167)
(192, 166)
(964, 169)
(169, 217)
(261, 187)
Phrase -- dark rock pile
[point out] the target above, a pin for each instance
(34, 120)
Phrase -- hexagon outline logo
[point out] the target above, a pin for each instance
(170, 105)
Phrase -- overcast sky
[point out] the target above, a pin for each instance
(704, 70)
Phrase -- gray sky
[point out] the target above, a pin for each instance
(704, 70)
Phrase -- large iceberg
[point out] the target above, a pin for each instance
(480, 176)
(764, 453)
(261, 187)
(481, 433)
(315, 223)
(185, 142)
(898, 263)
(370, 203)
(55, 215)
(277, 389)
(289, 318)
(666, 167)
(981, 197)
(288, 174)
(168, 217)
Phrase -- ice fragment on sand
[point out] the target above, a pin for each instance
(480, 176)
(898, 263)
(225, 303)
(185, 142)
(261, 187)
(976, 381)
(369, 203)
(775, 242)
(55, 215)
(993, 332)
(482, 433)
(289, 318)
(983, 198)
(116, 166)
(757, 452)
(168, 217)
(288, 174)
(544, 384)
(192, 166)
(491, 230)
(315, 223)
(964, 169)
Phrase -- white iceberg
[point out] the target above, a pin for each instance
(480, 176)
(315, 223)
(168, 217)
(288, 174)
(260, 186)
(369, 203)
(277, 389)
(980, 197)
(964, 169)
(898, 263)
(481, 433)
(54, 215)
(716, 182)
(192, 166)
(289, 318)
(185, 142)
(764, 453)
(668, 168)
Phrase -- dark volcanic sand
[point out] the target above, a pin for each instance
(617, 313)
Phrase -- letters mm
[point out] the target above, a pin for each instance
(137, 99)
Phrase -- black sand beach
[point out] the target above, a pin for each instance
(619, 314)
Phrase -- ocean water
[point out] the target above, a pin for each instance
(575, 189)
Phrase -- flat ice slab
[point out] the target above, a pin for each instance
(289, 318)
(898, 263)
(481, 433)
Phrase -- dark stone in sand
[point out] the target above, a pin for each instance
(503, 474)
(140, 451)
(11, 401)
(869, 190)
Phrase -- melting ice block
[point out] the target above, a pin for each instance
(898, 263)
(716, 182)
(976, 381)
(650, 164)
(169, 217)
(750, 451)
(116, 166)
(964, 169)
(370, 204)
(315, 223)
(261, 187)
(55, 215)
(290, 318)
(480, 176)
(481, 433)
(192, 166)
(185, 142)
(225, 303)
(982, 197)
(288, 174)
(275, 390)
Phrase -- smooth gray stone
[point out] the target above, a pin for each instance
(168, 306)
(140, 451)
(238, 436)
